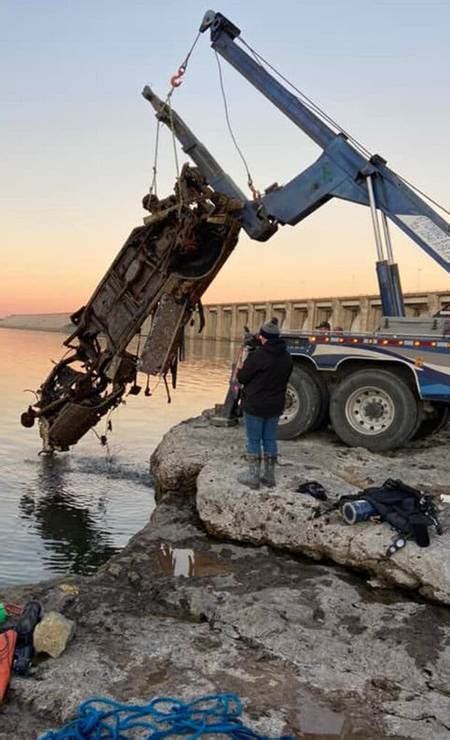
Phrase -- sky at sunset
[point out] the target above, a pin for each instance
(77, 138)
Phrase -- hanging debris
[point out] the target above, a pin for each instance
(162, 271)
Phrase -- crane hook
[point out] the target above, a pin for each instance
(176, 79)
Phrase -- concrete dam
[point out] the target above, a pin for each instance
(225, 321)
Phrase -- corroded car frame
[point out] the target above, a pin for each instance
(162, 271)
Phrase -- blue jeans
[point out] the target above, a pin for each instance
(263, 432)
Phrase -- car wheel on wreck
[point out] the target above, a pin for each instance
(304, 408)
(375, 409)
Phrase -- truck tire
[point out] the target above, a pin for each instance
(323, 416)
(434, 423)
(374, 409)
(303, 405)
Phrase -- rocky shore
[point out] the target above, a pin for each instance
(262, 593)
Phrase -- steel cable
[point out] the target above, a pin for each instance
(319, 111)
(175, 82)
(250, 183)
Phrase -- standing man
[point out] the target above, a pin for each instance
(264, 375)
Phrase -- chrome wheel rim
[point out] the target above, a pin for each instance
(370, 410)
(291, 407)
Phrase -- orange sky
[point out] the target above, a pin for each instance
(78, 142)
(298, 262)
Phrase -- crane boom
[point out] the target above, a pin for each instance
(344, 168)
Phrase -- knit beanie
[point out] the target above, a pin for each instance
(270, 329)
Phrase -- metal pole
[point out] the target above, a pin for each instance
(397, 293)
(387, 238)
(376, 225)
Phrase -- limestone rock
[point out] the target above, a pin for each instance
(296, 522)
(193, 455)
(185, 449)
(309, 648)
(52, 634)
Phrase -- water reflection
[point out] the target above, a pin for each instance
(179, 561)
(69, 529)
(70, 513)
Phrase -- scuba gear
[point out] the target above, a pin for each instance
(268, 476)
(397, 544)
(409, 511)
(314, 489)
(251, 478)
(357, 511)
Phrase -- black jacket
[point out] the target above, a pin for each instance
(264, 375)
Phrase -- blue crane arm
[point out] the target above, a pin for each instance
(341, 171)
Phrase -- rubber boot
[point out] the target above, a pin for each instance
(268, 476)
(251, 477)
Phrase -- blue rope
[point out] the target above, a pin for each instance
(101, 718)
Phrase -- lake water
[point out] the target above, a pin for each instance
(70, 512)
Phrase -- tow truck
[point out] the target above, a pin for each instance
(378, 390)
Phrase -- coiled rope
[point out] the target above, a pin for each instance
(213, 714)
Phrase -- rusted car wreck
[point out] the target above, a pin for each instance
(162, 271)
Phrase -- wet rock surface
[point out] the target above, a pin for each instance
(285, 519)
(310, 647)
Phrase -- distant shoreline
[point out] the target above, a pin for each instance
(216, 314)
(56, 322)
(34, 328)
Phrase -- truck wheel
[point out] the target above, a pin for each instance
(323, 416)
(374, 409)
(435, 422)
(303, 405)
